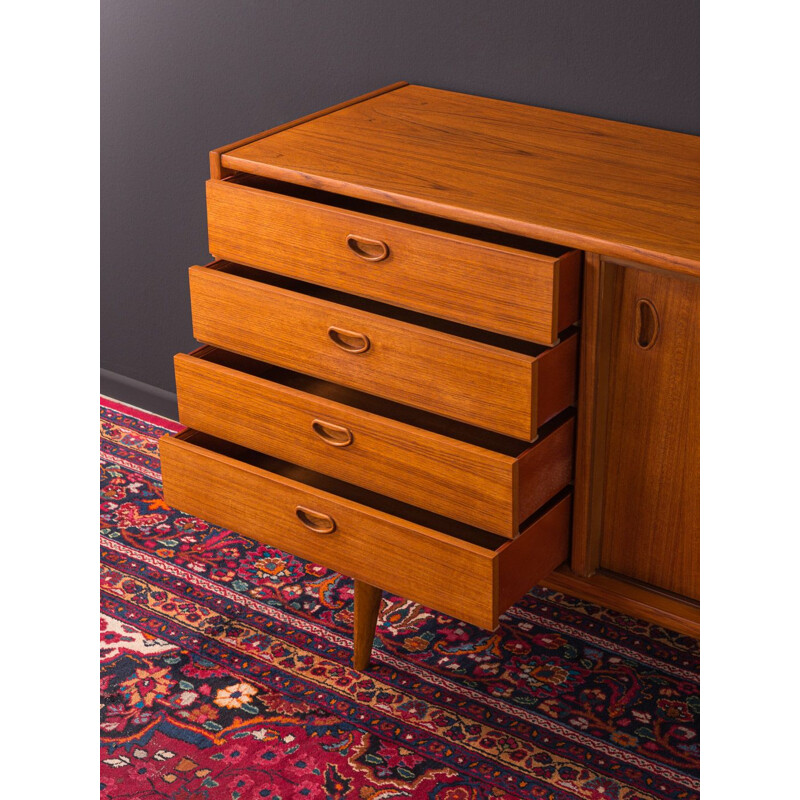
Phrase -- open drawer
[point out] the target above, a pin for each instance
(503, 283)
(489, 381)
(448, 566)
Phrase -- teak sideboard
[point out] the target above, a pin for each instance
(451, 349)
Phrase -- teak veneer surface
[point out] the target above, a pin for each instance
(651, 509)
(283, 322)
(511, 291)
(215, 156)
(609, 187)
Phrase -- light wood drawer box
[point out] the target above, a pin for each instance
(511, 285)
(471, 475)
(445, 565)
(386, 351)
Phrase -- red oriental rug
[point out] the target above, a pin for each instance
(225, 674)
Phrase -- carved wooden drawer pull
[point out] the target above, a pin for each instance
(368, 249)
(332, 434)
(315, 521)
(351, 341)
(647, 325)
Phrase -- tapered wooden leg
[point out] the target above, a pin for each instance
(367, 605)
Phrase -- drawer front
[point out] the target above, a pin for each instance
(502, 289)
(452, 575)
(469, 381)
(440, 473)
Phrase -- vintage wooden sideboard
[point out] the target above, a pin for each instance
(451, 349)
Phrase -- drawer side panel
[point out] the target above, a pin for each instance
(526, 560)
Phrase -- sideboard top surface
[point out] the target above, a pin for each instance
(613, 188)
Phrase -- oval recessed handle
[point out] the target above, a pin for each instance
(351, 341)
(315, 520)
(647, 325)
(368, 249)
(332, 434)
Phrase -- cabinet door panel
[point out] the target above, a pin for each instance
(652, 457)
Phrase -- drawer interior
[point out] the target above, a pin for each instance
(377, 405)
(464, 230)
(385, 310)
(356, 494)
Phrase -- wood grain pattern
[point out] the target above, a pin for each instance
(441, 473)
(601, 186)
(367, 604)
(569, 282)
(544, 469)
(525, 561)
(484, 285)
(597, 318)
(217, 170)
(651, 514)
(618, 593)
(375, 197)
(455, 575)
(557, 384)
(419, 366)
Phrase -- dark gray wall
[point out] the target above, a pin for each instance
(180, 77)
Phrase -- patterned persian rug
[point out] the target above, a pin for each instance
(225, 674)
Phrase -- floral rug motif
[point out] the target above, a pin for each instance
(225, 673)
